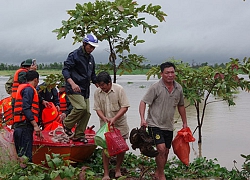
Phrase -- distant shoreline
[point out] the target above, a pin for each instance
(45, 72)
(41, 72)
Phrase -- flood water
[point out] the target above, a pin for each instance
(225, 132)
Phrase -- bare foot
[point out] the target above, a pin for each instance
(162, 177)
(106, 178)
(118, 174)
(155, 177)
(22, 165)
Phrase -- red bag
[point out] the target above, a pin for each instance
(115, 142)
(181, 144)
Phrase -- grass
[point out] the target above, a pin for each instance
(45, 72)
(134, 72)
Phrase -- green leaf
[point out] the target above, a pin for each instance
(134, 22)
(106, 19)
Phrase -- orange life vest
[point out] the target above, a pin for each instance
(1, 114)
(18, 109)
(16, 82)
(6, 108)
(50, 114)
(63, 102)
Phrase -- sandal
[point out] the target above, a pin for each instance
(67, 130)
(80, 139)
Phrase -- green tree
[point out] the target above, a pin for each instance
(201, 83)
(111, 21)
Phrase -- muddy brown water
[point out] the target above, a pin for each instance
(225, 132)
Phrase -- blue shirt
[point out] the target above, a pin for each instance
(27, 99)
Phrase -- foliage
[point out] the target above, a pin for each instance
(6, 168)
(57, 67)
(142, 167)
(199, 84)
(125, 67)
(199, 168)
(41, 66)
(8, 67)
(51, 81)
(47, 72)
(246, 166)
(57, 167)
(60, 167)
(53, 167)
(136, 167)
(111, 21)
(94, 162)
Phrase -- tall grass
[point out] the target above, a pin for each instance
(45, 72)
(41, 72)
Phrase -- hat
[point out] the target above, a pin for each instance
(61, 84)
(27, 62)
(91, 39)
(22, 63)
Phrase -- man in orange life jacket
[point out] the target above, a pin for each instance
(65, 104)
(20, 76)
(26, 112)
(9, 83)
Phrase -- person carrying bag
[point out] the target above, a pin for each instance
(115, 142)
(111, 105)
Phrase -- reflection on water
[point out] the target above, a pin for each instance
(224, 132)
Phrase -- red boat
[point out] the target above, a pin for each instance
(55, 141)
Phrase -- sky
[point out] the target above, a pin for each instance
(195, 31)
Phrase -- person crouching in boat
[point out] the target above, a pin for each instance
(65, 104)
(51, 113)
(52, 117)
(26, 112)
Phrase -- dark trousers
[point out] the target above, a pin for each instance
(23, 138)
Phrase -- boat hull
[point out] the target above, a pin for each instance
(55, 140)
(77, 151)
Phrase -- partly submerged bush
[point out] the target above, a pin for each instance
(143, 167)
(140, 167)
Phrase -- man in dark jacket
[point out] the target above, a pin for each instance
(79, 71)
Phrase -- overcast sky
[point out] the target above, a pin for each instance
(194, 31)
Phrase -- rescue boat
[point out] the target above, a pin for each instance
(55, 140)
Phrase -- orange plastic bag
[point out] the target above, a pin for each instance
(49, 115)
(181, 144)
(115, 142)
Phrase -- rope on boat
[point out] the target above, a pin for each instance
(59, 135)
